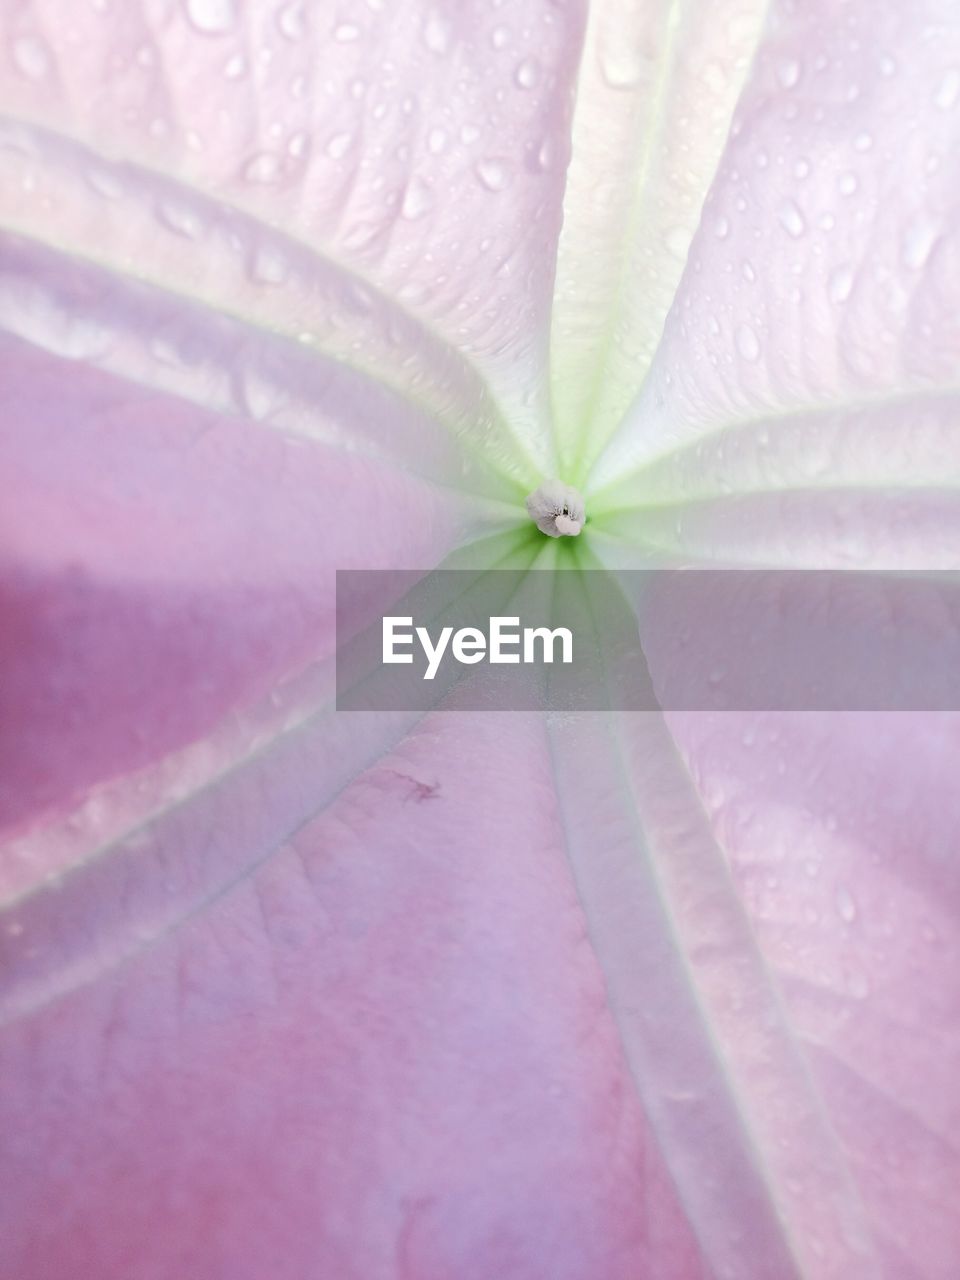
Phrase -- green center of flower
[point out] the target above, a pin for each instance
(557, 509)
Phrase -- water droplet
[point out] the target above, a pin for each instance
(919, 237)
(863, 141)
(417, 199)
(339, 145)
(621, 67)
(714, 76)
(546, 154)
(436, 33)
(748, 272)
(290, 21)
(165, 351)
(179, 219)
(747, 343)
(887, 65)
(212, 17)
(53, 326)
(493, 174)
(436, 141)
(847, 183)
(846, 906)
(527, 74)
(263, 168)
(801, 169)
(31, 57)
(721, 228)
(469, 133)
(500, 37)
(236, 67)
(840, 284)
(268, 265)
(858, 985)
(346, 33)
(791, 219)
(948, 90)
(788, 72)
(257, 395)
(105, 184)
(678, 242)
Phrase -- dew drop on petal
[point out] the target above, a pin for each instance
(791, 219)
(257, 395)
(179, 219)
(268, 265)
(290, 21)
(919, 237)
(858, 984)
(212, 17)
(840, 284)
(436, 33)
(948, 90)
(788, 73)
(263, 169)
(30, 57)
(338, 146)
(546, 154)
(846, 906)
(714, 76)
(105, 184)
(678, 242)
(747, 343)
(621, 67)
(847, 183)
(417, 199)
(346, 33)
(527, 74)
(493, 174)
(436, 141)
(236, 67)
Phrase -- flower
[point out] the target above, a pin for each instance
(290, 288)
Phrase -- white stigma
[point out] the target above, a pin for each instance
(557, 509)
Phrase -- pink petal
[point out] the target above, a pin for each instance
(805, 385)
(154, 583)
(383, 1050)
(423, 150)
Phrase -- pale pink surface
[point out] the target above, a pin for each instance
(372, 998)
